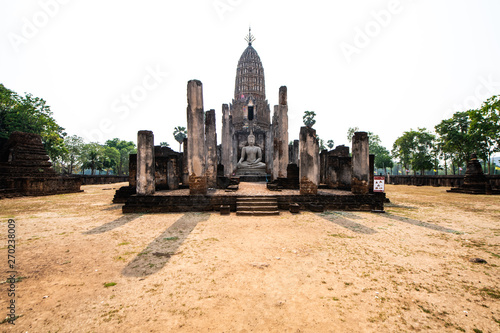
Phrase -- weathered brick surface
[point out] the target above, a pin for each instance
(201, 203)
(359, 186)
(25, 169)
(307, 187)
(197, 185)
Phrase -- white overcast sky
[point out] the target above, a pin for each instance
(385, 66)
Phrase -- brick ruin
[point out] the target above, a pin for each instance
(475, 182)
(25, 169)
(254, 149)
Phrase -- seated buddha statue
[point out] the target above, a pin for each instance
(251, 156)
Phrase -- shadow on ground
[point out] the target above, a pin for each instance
(113, 207)
(113, 224)
(158, 253)
(420, 223)
(338, 219)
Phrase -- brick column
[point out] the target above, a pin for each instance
(283, 132)
(360, 163)
(276, 143)
(196, 136)
(309, 161)
(211, 145)
(145, 163)
(227, 144)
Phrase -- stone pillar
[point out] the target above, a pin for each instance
(172, 175)
(185, 170)
(323, 157)
(283, 132)
(309, 161)
(276, 145)
(293, 152)
(132, 170)
(196, 136)
(145, 163)
(372, 172)
(234, 151)
(269, 150)
(360, 164)
(211, 146)
(226, 141)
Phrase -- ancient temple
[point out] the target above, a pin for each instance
(246, 122)
(254, 147)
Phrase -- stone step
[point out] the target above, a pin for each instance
(256, 199)
(257, 203)
(257, 213)
(257, 208)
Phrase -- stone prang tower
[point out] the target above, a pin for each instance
(249, 112)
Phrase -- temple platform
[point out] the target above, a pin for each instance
(182, 201)
(261, 178)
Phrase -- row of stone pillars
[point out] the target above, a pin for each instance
(309, 169)
(200, 151)
(202, 142)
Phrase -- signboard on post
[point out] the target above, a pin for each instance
(379, 184)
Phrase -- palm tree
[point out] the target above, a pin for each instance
(180, 134)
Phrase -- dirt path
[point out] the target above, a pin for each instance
(86, 267)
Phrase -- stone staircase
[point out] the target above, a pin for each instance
(257, 206)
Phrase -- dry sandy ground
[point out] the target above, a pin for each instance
(407, 270)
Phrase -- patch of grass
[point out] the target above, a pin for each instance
(109, 284)
(10, 320)
(382, 316)
(171, 238)
(491, 292)
(496, 320)
(477, 330)
(17, 279)
(348, 283)
(340, 236)
(424, 309)
(493, 254)
(124, 243)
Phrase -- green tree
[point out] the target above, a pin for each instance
(414, 149)
(321, 143)
(110, 158)
(330, 144)
(71, 158)
(164, 144)
(125, 148)
(92, 157)
(180, 134)
(383, 159)
(31, 115)
(455, 140)
(308, 118)
(485, 129)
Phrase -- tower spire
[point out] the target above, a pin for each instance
(250, 38)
